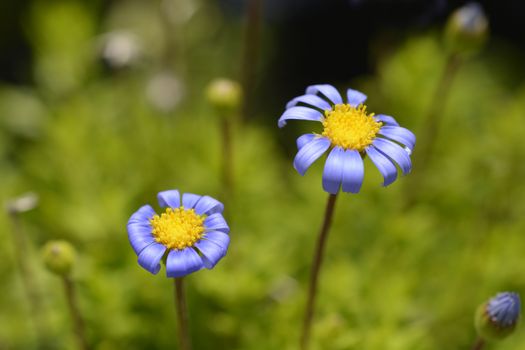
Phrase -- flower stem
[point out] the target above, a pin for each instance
(250, 55)
(182, 314)
(430, 127)
(227, 157)
(314, 273)
(78, 321)
(479, 344)
(174, 42)
(21, 252)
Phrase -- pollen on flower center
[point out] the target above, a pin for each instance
(178, 228)
(350, 127)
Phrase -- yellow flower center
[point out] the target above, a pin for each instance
(350, 127)
(178, 228)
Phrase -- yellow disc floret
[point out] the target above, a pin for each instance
(178, 228)
(350, 127)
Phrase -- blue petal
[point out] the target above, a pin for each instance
(183, 262)
(399, 134)
(140, 236)
(395, 152)
(504, 309)
(386, 119)
(169, 198)
(208, 205)
(139, 228)
(150, 257)
(216, 222)
(219, 238)
(383, 164)
(189, 200)
(299, 113)
(211, 252)
(355, 98)
(327, 90)
(304, 139)
(309, 153)
(333, 171)
(142, 215)
(312, 100)
(353, 171)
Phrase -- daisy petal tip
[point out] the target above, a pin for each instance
(150, 257)
(170, 198)
(355, 98)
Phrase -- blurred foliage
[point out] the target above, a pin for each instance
(94, 146)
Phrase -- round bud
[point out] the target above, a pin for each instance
(498, 317)
(224, 95)
(59, 257)
(165, 91)
(120, 49)
(22, 204)
(467, 29)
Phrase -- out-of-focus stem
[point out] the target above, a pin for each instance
(429, 130)
(182, 315)
(314, 273)
(227, 157)
(250, 55)
(76, 315)
(479, 344)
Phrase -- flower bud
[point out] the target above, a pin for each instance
(498, 317)
(165, 91)
(120, 49)
(224, 95)
(467, 29)
(22, 204)
(59, 257)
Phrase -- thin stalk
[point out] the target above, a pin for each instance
(173, 39)
(250, 55)
(479, 344)
(21, 254)
(227, 156)
(182, 314)
(429, 130)
(76, 315)
(314, 273)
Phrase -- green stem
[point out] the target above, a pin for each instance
(252, 39)
(479, 344)
(429, 130)
(182, 314)
(227, 157)
(74, 310)
(314, 273)
(173, 39)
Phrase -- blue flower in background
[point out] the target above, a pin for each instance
(191, 231)
(350, 132)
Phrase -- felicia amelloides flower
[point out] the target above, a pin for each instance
(350, 132)
(191, 233)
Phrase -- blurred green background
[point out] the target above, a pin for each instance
(106, 107)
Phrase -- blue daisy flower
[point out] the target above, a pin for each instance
(350, 133)
(191, 233)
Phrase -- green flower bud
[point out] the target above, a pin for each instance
(467, 29)
(59, 257)
(224, 95)
(497, 318)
